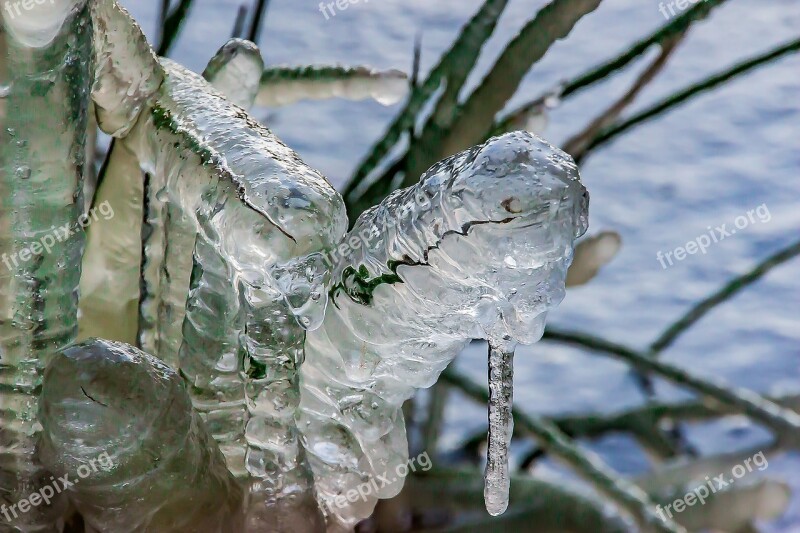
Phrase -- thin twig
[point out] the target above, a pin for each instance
(729, 290)
(591, 425)
(676, 26)
(576, 145)
(689, 93)
(784, 422)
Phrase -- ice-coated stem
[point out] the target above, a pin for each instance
(120, 425)
(501, 425)
(49, 57)
(285, 85)
(478, 249)
(110, 285)
(259, 222)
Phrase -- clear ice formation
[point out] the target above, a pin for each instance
(120, 424)
(235, 71)
(501, 426)
(263, 222)
(478, 249)
(110, 291)
(256, 222)
(49, 52)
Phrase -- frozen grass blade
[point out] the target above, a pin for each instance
(680, 97)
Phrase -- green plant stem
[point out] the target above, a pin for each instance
(784, 422)
(593, 425)
(689, 93)
(473, 30)
(622, 492)
(422, 149)
(729, 290)
(675, 27)
(576, 145)
(474, 118)
(258, 19)
(433, 424)
(172, 24)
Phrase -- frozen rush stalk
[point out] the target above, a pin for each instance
(235, 228)
(478, 249)
(49, 58)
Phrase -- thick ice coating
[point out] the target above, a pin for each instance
(478, 249)
(235, 212)
(47, 53)
(235, 71)
(234, 215)
(127, 71)
(120, 423)
(109, 304)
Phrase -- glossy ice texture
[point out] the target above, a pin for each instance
(44, 119)
(478, 249)
(120, 424)
(263, 221)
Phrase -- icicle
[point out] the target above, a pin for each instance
(501, 425)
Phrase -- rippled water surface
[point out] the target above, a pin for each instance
(660, 186)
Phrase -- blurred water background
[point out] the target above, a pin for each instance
(660, 186)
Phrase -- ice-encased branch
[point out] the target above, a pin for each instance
(49, 54)
(479, 248)
(228, 196)
(257, 221)
(286, 85)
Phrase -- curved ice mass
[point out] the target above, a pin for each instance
(478, 249)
